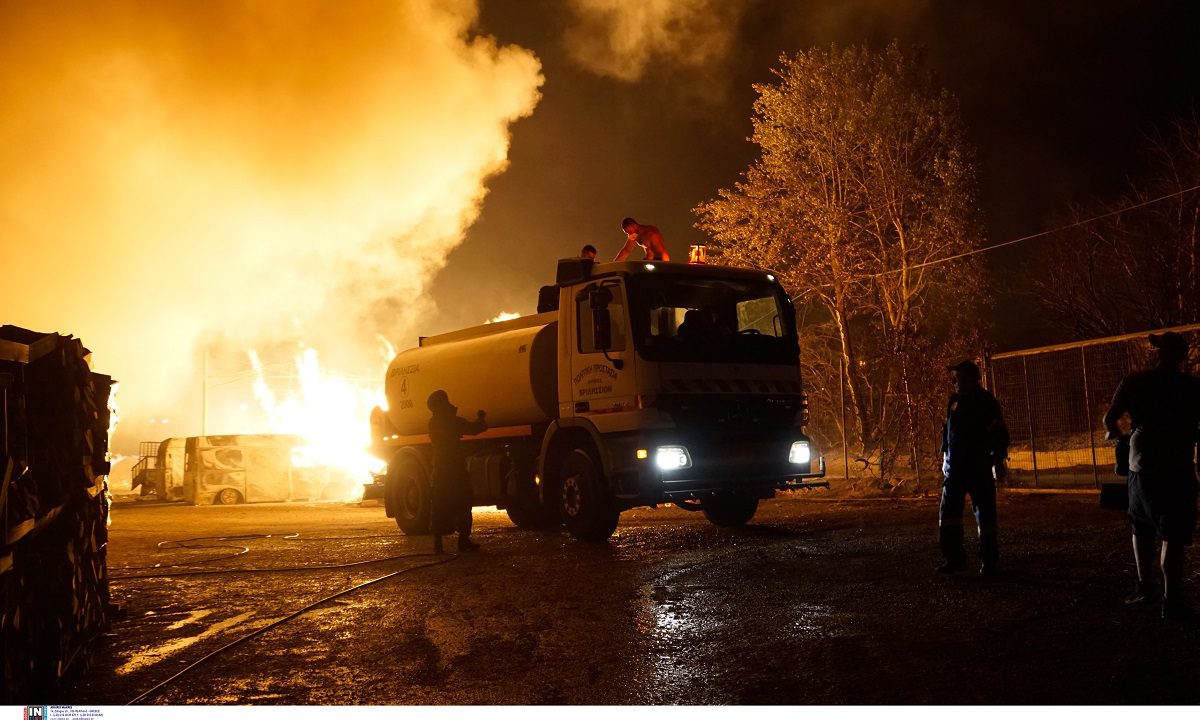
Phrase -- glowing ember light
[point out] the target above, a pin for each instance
(503, 316)
(387, 351)
(331, 414)
(113, 459)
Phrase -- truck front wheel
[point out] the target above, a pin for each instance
(588, 510)
(410, 501)
(729, 509)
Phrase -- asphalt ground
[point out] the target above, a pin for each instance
(817, 601)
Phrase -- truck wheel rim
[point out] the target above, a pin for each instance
(412, 500)
(572, 496)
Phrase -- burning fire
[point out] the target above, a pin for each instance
(113, 458)
(331, 414)
(504, 315)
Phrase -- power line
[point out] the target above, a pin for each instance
(1044, 232)
(1015, 241)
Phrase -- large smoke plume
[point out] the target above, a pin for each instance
(238, 174)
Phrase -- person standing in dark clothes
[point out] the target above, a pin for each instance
(975, 447)
(451, 508)
(1163, 405)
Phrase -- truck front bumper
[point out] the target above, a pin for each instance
(758, 466)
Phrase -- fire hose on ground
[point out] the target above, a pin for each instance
(243, 550)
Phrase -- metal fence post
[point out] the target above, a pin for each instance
(1054, 442)
(1087, 402)
(1029, 413)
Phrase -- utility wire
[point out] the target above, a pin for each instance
(1014, 241)
(1076, 224)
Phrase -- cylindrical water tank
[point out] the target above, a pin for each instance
(513, 375)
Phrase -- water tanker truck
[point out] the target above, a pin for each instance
(637, 383)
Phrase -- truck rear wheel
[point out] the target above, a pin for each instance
(729, 509)
(409, 492)
(588, 510)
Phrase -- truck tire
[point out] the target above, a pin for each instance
(729, 509)
(410, 496)
(588, 510)
(521, 514)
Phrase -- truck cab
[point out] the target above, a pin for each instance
(645, 383)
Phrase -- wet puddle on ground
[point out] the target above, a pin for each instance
(150, 656)
(695, 616)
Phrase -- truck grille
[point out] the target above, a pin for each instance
(748, 414)
(731, 385)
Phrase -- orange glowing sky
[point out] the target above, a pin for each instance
(173, 174)
(279, 176)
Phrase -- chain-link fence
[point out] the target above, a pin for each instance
(1054, 399)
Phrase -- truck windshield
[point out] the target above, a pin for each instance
(686, 319)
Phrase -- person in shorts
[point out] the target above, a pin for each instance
(1163, 406)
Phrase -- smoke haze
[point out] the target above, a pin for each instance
(622, 39)
(241, 174)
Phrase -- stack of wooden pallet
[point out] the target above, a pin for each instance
(54, 426)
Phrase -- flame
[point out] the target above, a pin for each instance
(504, 315)
(330, 414)
(113, 458)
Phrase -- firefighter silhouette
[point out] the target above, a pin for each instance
(451, 507)
(975, 446)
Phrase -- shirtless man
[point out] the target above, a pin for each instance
(646, 236)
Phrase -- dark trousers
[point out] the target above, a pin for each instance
(451, 511)
(982, 489)
(463, 526)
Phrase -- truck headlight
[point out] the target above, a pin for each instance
(672, 457)
(801, 454)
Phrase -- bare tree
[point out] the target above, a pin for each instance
(1138, 268)
(864, 180)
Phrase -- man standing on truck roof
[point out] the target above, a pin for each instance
(975, 447)
(1164, 408)
(647, 236)
(451, 507)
